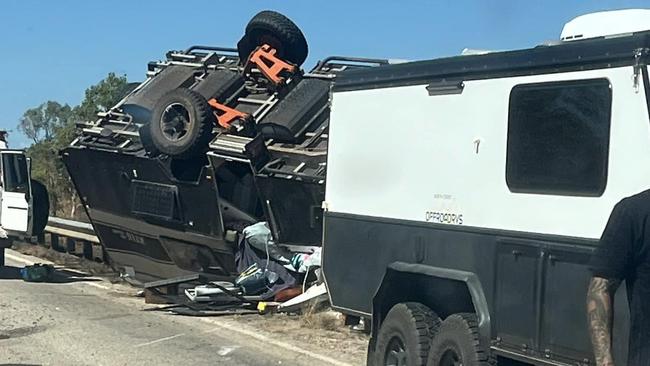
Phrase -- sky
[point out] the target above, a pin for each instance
(54, 50)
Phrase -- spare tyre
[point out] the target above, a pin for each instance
(40, 207)
(279, 32)
(181, 124)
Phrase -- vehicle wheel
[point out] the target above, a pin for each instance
(279, 32)
(405, 335)
(458, 343)
(41, 207)
(181, 124)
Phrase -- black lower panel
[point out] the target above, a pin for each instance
(119, 239)
(357, 251)
(148, 219)
(535, 285)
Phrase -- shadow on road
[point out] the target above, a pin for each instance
(59, 276)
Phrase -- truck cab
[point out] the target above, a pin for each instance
(24, 202)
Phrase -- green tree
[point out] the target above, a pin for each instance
(40, 123)
(101, 96)
(52, 127)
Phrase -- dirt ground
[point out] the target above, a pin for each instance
(320, 332)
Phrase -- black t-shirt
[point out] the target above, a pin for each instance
(623, 254)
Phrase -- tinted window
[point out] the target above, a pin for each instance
(558, 137)
(15, 174)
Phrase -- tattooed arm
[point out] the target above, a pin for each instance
(600, 301)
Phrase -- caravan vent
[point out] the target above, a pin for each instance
(154, 199)
(606, 24)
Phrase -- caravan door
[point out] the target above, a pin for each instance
(16, 191)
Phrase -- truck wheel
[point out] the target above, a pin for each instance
(458, 343)
(405, 335)
(40, 208)
(279, 32)
(181, 124)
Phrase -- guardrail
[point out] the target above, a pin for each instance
(73, 237)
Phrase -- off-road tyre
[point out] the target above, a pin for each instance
(40, 207)
(406, 334)
(458, 342)
(276, 30)
(198, 123)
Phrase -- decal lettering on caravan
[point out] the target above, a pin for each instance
(446, 210)
(131, 237)
(444, 217)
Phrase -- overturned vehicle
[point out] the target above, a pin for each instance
(214, 140)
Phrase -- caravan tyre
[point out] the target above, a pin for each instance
(181, 124)
(279, 32)
(405, 335)
(458, 343)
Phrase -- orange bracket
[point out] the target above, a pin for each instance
(265, 60)
(226, 115)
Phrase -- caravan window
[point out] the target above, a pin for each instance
(558, 137)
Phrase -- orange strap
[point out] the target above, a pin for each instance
(226, 115)
(265, 60)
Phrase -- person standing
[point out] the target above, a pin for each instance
(623, 255)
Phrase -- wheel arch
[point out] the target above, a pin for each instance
(445, 291)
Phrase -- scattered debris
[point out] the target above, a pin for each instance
(303, 262)
(361, 326)
(315, 295)
(209, 293)
(37, 272)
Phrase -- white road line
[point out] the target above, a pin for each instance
(95, 284)
(19, 259)
(159, 340)
(275, 342)
(224, 351)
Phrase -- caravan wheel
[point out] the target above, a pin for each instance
(458, 343)
(405, 335)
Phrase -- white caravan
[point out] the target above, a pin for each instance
(476, 188)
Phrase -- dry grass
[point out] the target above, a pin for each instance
(317, 318)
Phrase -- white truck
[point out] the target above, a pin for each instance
(24, 203)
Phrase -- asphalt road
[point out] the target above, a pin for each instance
(81, 321)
